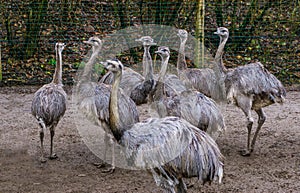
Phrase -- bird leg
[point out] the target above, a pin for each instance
(245, 104)
(43, 127)
(106, 143)
(42, 159)
(103, 163)
(111, 168)
(247, 151)
(181, 187)
(113, 155)
(261, 120)
(52, 133)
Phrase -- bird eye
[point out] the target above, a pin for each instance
(165, 50)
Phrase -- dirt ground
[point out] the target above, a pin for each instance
(273, 167)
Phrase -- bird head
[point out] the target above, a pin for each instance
(94, 41)
(223, 32)
(147, 41)
(183, 34)
(163, 51)
(59, 46)
(113, 65)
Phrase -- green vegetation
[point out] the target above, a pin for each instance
(0, 65)
(265, 30)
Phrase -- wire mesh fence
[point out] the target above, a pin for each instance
(260, 30)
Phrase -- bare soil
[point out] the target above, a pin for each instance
(274, 166)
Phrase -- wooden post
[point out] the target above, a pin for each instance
(0, 64)
(199, 59)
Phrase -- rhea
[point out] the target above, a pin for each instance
(190, 105)
(133, 84)
(49, 104)
(204, 80)
(250, 87)
(170, 147)
(93, 101)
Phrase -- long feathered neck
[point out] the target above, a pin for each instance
(181, 62)
(160, 87)
(164, 67)
(219, 55)
(86, 76)
(57, 77)
(114, 117)
(147, 64)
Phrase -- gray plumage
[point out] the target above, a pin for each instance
(130, 76)
(205, 80)
(93, 100)
(250, 87)
(254, 79)
(190, 105)
(49, 103)
(133, 84)
(170, 147)
(173, 85)
(178, 83)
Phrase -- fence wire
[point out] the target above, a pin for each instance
(263, 30)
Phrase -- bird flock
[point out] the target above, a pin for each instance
(180, 141)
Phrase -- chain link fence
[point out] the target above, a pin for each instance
(260, 30)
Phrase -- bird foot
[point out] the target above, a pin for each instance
(108, 170)
(43, 160)
(100, 164)
(245, 152)
(53, 156)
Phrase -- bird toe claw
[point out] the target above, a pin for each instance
(43, 160)
(53, 156)
(109, 170)
(99, 164)
(245, 152)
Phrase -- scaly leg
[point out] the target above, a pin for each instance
(245, 103)
(113, 156)
(43, 128)
(106, 144)
(261, 120)
(52, 133)
(103, 164)
(42, 159)
(181, 187)
(247, 152)
(111, 169)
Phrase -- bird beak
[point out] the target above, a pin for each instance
(152, 44)
(87, 42)
(104, 64)
(217, 32)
